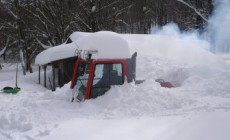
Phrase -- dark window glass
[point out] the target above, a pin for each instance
(106, 75)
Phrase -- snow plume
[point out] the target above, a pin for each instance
(219, 26)
(183, 47)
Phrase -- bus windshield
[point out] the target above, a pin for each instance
(82, 78)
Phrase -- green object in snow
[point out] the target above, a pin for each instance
(9, 90)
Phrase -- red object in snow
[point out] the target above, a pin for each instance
(94, 77)
(164, 83)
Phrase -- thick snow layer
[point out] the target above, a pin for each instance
(109, 45)
(193, 127)
(112, 45)
(76, 36)
(62, 51)
(56, 53)
(172, 47)
(198, 108)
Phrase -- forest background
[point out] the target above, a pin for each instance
(28, 26)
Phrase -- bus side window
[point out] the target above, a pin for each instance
(106, 75)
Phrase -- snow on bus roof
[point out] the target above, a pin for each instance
(109, 45)
(60, 52)
(75, 36)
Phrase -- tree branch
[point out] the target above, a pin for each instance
(194, 9)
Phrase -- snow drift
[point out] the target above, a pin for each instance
(130, 111)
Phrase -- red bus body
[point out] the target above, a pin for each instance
(93, 63)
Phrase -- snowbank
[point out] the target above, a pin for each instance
(193, 127)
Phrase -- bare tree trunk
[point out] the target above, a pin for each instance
(22, 62)
(24, 54)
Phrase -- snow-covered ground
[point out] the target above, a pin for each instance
(197, 109)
